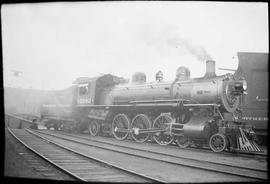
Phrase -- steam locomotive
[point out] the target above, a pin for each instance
(199, 111)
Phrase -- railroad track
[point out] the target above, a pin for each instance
(176, 150)
(21, 162)
(248, 172)
(257, 155)
(80, 166)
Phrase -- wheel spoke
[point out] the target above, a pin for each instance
(121, 121)
(94, 128)
(140, 121)
(218, 142)
(182, 141)
(160, 122)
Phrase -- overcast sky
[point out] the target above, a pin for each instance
(54, 43)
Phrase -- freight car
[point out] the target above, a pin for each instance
(188, 111)
(254, 68)
(57, 109)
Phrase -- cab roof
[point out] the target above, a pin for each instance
(106, 78)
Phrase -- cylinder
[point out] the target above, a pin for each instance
(197, 127)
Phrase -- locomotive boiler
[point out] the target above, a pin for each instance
(187, 111)
(223, 90)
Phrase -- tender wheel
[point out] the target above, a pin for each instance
(161, 137)
(218, 142)
(140, 121)
(120, 121)
(182, 141)
(94, 128)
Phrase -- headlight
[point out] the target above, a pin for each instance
(240, 87)
(244, 84)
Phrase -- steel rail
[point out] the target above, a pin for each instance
(155, 152)
(99, 160)
(46, 159)
(166, 161)
(242, 153)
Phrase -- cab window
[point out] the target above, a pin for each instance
(83, 90)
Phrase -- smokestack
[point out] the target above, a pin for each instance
(210, 68)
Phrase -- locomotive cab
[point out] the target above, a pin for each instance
(84, 92)
(94, 91)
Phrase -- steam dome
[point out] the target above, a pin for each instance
(138, 77)
(182, 73)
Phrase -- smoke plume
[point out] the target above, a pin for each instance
(194, 49)
(163, 35)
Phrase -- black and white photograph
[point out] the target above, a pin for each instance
(135, 91)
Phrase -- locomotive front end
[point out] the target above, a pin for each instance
(223, 90)
(210, 103)
(230, 90)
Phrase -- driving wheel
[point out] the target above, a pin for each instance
(162, 138)
(120, 126)
(139, 122)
